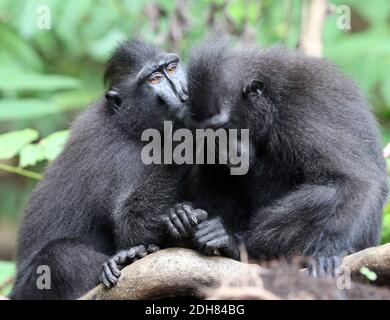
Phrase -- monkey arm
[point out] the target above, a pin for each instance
(138, 216)
(138, 220)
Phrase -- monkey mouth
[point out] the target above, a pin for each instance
(183, 112)
(177, 110)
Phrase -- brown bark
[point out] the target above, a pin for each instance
(184, 272)
(173, 272)
(376, 259)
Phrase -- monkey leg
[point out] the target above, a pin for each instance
(111, 269)
(63, 269)
(325, 222)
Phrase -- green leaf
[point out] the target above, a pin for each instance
(102, 48)
(73, 16)
(135, 7)
(101, 21)
(386, 90)
(12, 142)
(167, 5)
(20, 50)
(27, 23)
(376, 14)
(17, 109)
(370, 275)
(237, 11)
(54, 144)
(35, 82)
(75, 99)
(31, 154)
(7, 271)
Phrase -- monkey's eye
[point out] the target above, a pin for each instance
(155, 78)
(172, 68)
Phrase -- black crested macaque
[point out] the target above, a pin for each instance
(98, 199)
(316, 184)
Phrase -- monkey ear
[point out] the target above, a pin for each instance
(113, 99)
(255, 87)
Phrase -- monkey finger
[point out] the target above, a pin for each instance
(185, 220)
(336, 263)
(114, 268)
(108, 275)
(205, 228)
(121, 257)
(204, 225)
(141, 254)
(324, 266)
(172, 229)
(104, 280)
(191, 213)
(315, 268)
(210, 249)
(327, 267)
(152, 248)
(200, 214)
(195, 215)
(178, 224)
(201, 232)
(204, 238)
(219, 243)
(331, 265)
(133, 252)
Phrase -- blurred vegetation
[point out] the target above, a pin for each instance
(48, 76)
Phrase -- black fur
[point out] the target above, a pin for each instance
(317, 181)
(97, 197)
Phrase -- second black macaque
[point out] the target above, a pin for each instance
(316, 183)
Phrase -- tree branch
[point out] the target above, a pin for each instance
(312, 23)
(172, 272)
(377, 259)
(183, 272)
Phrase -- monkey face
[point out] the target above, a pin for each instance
(216, 97)
(148, 87)
(164, 81)
(211, 93)
(160, 84)
(227, 90)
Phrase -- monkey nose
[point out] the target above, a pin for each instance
(183, 97)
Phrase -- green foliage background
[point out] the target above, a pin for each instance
(48, 76)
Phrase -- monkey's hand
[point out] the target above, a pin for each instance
(211, 237)
(324, 266)
(181, 220)
(111, 269)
